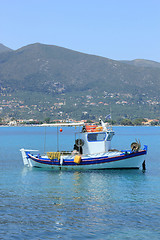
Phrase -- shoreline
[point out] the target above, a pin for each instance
(40, 125)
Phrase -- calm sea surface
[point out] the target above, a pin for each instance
(106, 204)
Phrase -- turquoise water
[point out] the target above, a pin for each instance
(106, 204)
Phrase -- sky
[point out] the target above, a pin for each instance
(115, 29)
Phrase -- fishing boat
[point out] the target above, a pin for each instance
(91, 150)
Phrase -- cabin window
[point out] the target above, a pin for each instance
(93, 137)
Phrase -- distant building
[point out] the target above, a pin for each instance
(13, 123)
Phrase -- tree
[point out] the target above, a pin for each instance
(111, 122)
(47, 120)
(126, 122)
(154, 123)
(138, 121)
(89, 121)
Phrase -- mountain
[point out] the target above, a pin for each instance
(38, 67)
(47, 80)
(4, 48)
(143, 63)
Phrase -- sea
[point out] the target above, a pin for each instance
(98, 204)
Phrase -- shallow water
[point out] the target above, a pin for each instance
(106, 204)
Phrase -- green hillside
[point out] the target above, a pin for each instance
(41, 81)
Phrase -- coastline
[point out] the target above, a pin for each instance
(40, 125)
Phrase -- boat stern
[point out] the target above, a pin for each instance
(26, 159)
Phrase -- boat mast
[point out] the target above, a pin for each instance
(44, 139)
(57, 140)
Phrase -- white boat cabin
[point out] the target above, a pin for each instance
(96, 142)
(94, 139)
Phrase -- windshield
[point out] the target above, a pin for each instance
(93, 137)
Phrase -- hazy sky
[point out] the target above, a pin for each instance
(117, 29)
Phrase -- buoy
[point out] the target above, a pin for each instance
(61, 130)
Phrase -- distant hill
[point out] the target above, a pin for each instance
(143, 63)
(40, 73)
(4, 48)
(39, 67)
